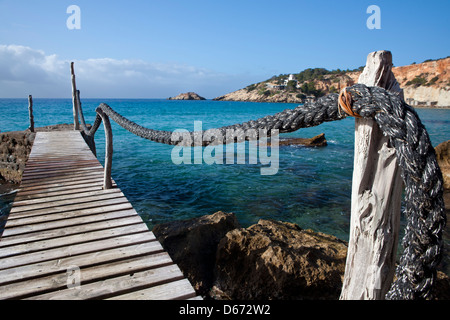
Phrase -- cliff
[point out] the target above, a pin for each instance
(424, 84)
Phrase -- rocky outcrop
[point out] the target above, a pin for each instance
(278, 260)
(187, 96)
(15, 147)
(425, 84)
(192, 245)
(443, 158)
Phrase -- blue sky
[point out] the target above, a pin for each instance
(159, 48)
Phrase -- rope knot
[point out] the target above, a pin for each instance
(345, 102)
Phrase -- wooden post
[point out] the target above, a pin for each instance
(76, 124)
(376, 198)
(30, 112)
(107, 182)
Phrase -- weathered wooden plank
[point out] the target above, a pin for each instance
(50, 186)
(64, 219)
(61, 174)
(54, 199)
(67, 230)
(66, 251)
(77, 177)
(44, 244)
(87, 275)
(52, 193)
(69, 222)
(104, 194)
(70, 214)
(119, 285)
(40, 269)
(181, 289)
(100, 202)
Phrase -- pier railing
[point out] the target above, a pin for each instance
(391, 146)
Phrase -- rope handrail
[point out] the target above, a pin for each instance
(424, 209)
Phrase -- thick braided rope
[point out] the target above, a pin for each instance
(289, 120)
(424, 210)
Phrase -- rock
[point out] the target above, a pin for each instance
(187, 96)
(279, 260)
(192, 245)
(15, 147)
(443, 158)
(441, 290)
(317, 141)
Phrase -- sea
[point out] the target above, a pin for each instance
(311, 188)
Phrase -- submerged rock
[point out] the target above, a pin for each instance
(15, 147)
(279, 260)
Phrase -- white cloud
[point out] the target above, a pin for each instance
(24, 71)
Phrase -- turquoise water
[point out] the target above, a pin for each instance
(312, 187)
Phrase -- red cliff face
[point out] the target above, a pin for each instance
(426, 70)
(425, 84)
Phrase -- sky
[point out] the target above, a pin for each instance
(160, 48)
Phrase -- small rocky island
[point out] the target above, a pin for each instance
(187, 96)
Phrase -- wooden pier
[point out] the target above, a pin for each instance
(67, 238)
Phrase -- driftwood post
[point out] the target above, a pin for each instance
(107, 182)
(76, 124)
(30, 112)
(376, 198)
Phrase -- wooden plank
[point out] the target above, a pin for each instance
(63, 219)
(181, 289)
(38, 188)
(104, 194)
(69, 222)
(72, 239)
(39, 269)
(54, 199)
(119, 285)
(52, 254)
(87, 275)
(67, 230)
(100, 202)
(81, 177)
(67, 191)
(70, 214)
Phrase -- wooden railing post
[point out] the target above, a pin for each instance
(107, 181)
(376, 198)
(76, 124)
(30, 112)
